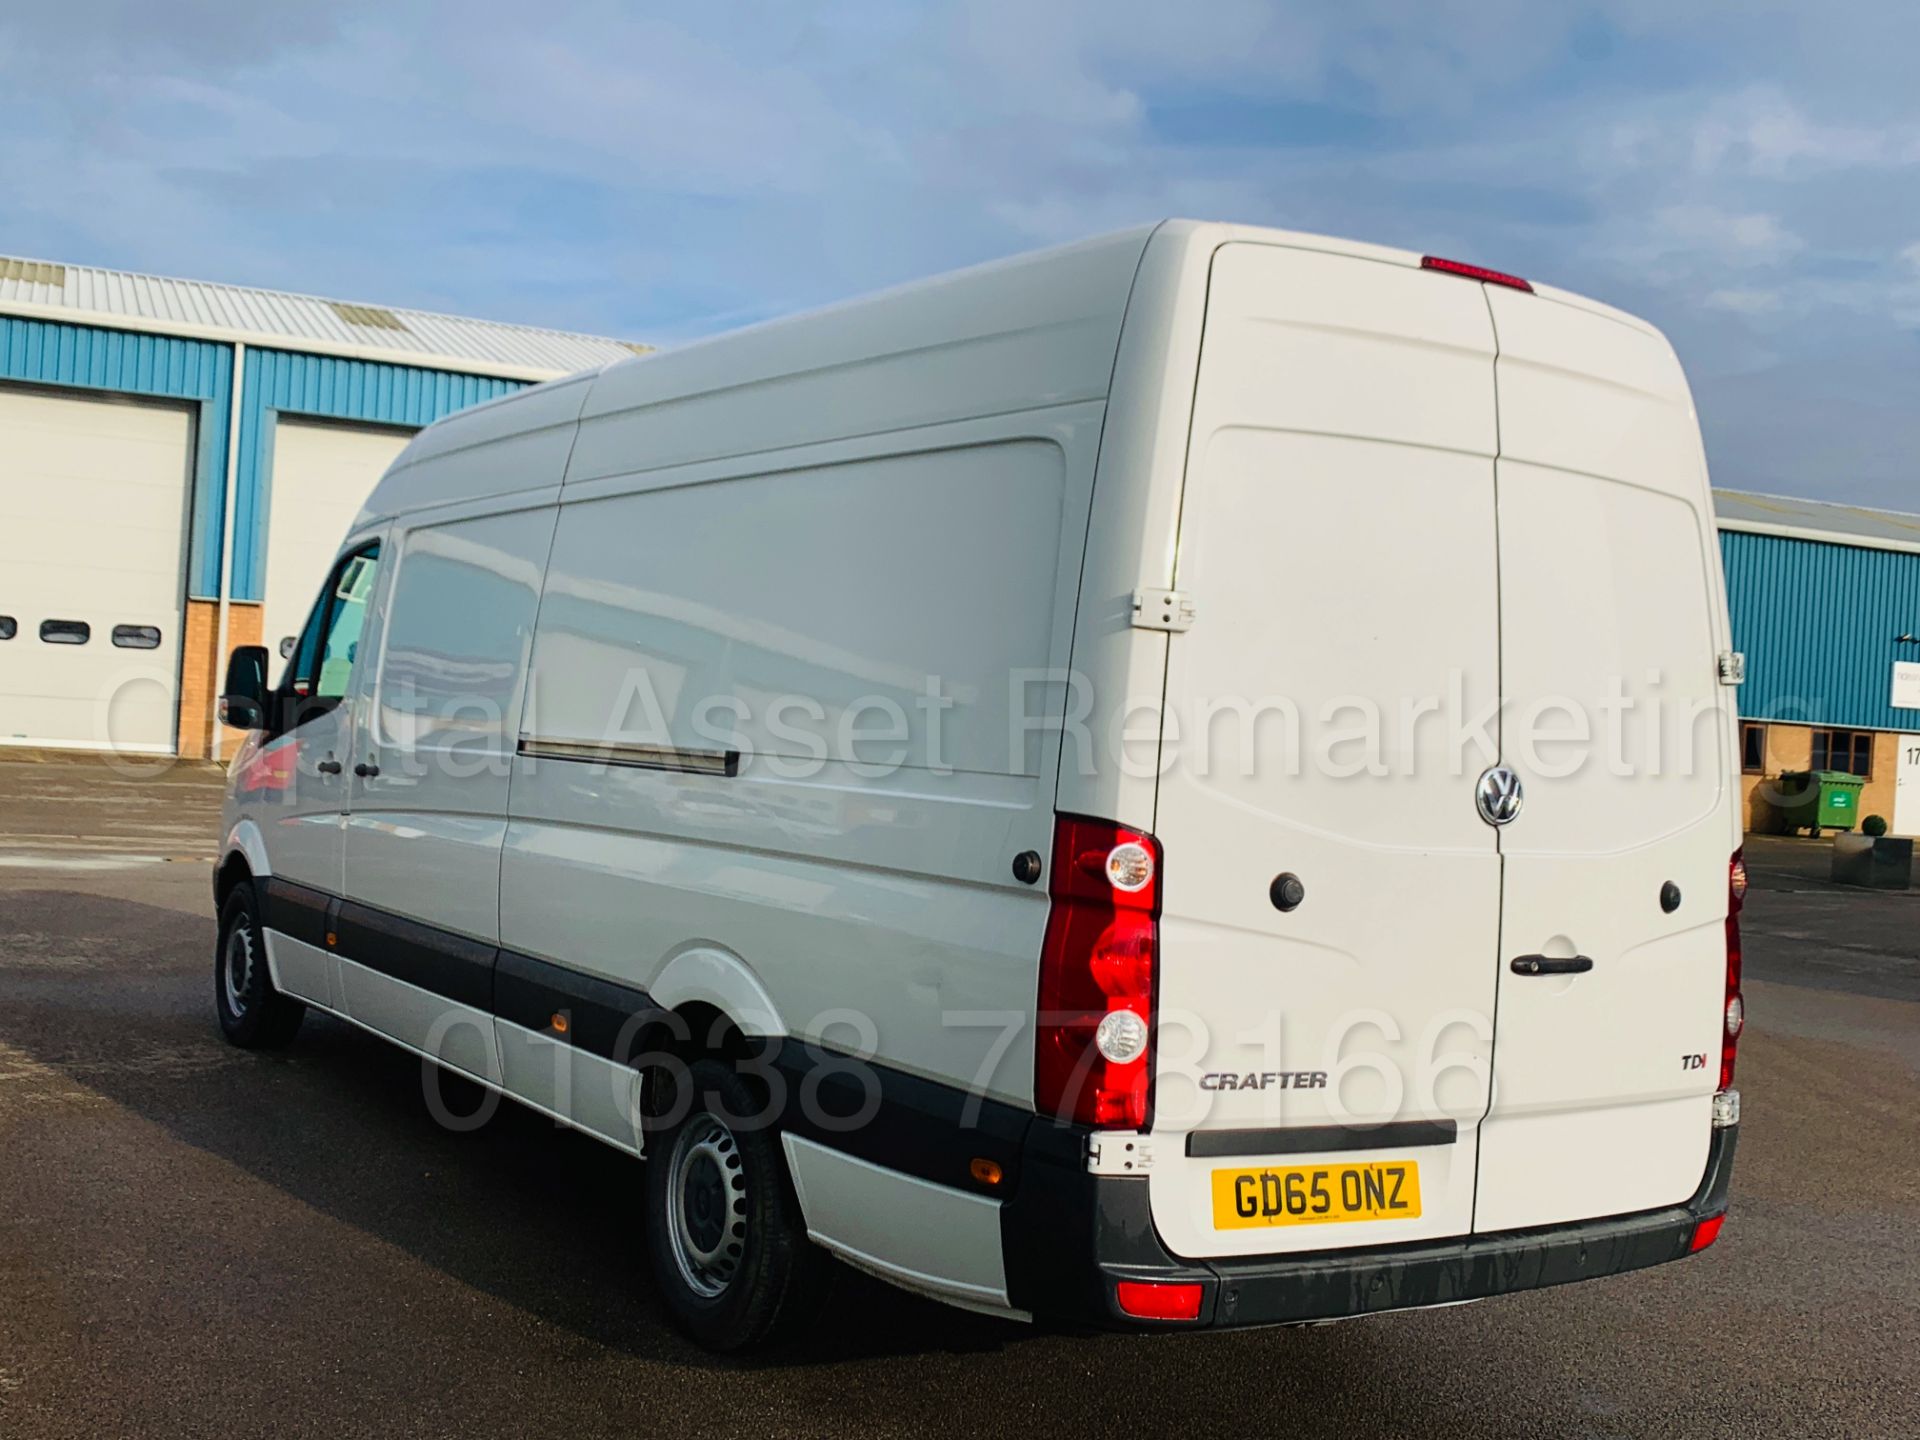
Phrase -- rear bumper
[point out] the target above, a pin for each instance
(1070, 1238)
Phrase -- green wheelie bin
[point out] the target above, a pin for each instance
(1816, 800)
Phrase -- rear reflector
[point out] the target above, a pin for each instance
(1149, 1300)
(1705, 1233)
(1474, 272)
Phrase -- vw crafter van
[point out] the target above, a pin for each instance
(1182, 781)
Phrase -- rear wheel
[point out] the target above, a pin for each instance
(729, 1248)
(253, 1015)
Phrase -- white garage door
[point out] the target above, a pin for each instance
(322, 474)
(93, 530)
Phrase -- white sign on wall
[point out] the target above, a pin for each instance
(1906, 685)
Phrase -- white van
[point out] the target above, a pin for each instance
(1180, 781)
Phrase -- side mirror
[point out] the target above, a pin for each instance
(243, 703)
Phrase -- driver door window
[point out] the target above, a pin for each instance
(320, 671)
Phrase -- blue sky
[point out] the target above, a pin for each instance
(1745, 175)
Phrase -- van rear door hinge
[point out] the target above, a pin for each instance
(1170, 610)
(1733, 667)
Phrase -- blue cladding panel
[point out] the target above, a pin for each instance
(1817, 623)
(279, 381)
(83, 357)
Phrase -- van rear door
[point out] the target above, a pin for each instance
(1337, 533)
(1611, 609)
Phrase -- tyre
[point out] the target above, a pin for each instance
(253, 1015)
(729, 1249)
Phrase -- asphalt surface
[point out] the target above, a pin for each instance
(198, 1241)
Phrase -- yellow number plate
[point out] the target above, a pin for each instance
(1316, 1194)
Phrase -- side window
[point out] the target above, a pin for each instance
(341, 644)
(458, 629)
(321, 668)
(9, 627)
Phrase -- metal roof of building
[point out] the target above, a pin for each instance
(47, 290)
(1816, 520)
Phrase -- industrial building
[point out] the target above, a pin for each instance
(1825, 602)
(178, 461)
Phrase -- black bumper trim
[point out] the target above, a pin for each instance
(1070, 1238)
(1321, 1139)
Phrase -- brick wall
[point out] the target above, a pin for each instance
(202, 670)
(1790, 747)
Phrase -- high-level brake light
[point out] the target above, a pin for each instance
(1095, 1036)
(1474, 272)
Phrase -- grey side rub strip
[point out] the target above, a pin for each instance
(641, 757)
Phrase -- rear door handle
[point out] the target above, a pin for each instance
(329, 766)
(1551, 965)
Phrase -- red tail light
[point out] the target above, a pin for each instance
(1474, 272)
(1159, 1299)
(1734, 1015)
(1094, 1046)
(1705, 1233)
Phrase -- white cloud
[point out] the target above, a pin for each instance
(1760, 132)
(1744, 302)
(1722, 236)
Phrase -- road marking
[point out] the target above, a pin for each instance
(75, 862)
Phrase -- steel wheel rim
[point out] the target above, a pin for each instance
(706, 1205)
(236, 969)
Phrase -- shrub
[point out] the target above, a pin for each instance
(1873, 825)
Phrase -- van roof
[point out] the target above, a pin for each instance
(1050, 320)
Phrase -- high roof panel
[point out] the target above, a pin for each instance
(83, 294)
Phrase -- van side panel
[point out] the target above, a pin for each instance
(804, 615)
(858, 864)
